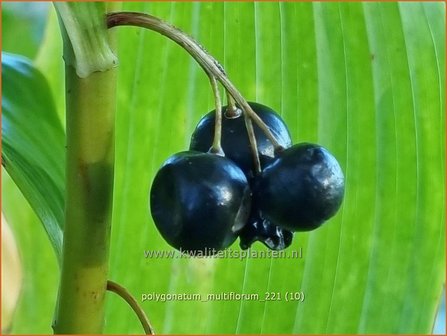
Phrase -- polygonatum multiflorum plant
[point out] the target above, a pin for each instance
(240, 178)
(362, 79)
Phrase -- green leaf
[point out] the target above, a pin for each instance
(348, 76)
(366, 80)
(24, 23)
(33, 142)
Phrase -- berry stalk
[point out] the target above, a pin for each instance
(253, 144)
(216, 148)
(205, 60)
(232, 110)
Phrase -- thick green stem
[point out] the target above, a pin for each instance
(90, 121)
(89, 177)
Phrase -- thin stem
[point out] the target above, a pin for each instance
(206, 61)
(126, 296)
(216, 148)
(232, 110)
(253, 144)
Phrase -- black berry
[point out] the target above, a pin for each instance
(301, 188)
(199, 201)
(235, 141)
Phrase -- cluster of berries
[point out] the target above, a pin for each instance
(202, 201)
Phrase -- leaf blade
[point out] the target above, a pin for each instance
(32, 139)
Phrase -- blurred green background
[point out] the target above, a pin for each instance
(366, 80)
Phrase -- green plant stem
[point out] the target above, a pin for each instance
(90, 123)
(126, 296)
(90, 90)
